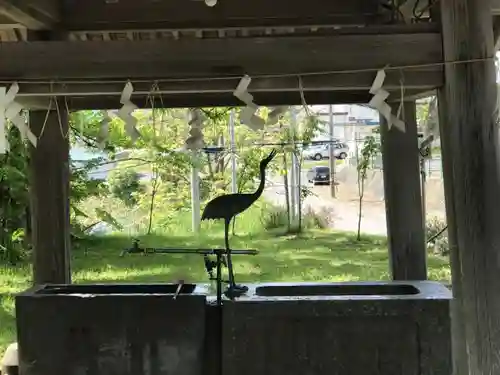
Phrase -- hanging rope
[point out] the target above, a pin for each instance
(258, 76)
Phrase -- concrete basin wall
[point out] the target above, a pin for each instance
(339, 328)
(340, 334)
(110, 334)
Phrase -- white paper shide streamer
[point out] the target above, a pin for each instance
(195, 140)
(378, 102)
(10, 110)
(125, 112)
(248, 115)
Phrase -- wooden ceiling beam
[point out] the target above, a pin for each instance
(179, 14)
(210, 100)
(496, 32)
(495, 7)
(409, 80)
(32, 14)
(64, 60)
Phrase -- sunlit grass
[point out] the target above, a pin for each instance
(314, 256)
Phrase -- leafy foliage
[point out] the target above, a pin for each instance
(437, 236)
(167, 194)
(14, 213)
(125, 185)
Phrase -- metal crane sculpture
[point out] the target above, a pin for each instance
(227, 207)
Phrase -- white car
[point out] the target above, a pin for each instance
(340, 150)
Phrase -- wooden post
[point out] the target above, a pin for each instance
(460, 362)
(403, 200)
(472, 168)
(49, 193)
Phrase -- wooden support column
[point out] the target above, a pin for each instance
(403, 200)
(459, 348)
(49, 193)
(471, 166)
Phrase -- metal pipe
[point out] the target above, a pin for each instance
(234, 184)
(331, 153)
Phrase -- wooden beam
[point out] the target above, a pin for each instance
(49, 192)
(264, 98)
(496, 32)
(495, 4)
(58, 60)
(403, 199)
(32, 14)
(472, 167)
(412, 80)
(459, 345)
(181, 14)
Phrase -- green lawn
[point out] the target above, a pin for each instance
(314, 256)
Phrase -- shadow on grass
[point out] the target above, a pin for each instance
(324, 256)
(314, 256)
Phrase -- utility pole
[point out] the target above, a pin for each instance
(332, 153)
(295, 189)
(195, 187)
(195, 196)
(234, 184)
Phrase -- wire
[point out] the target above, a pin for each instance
(258, 76)
(430, 240)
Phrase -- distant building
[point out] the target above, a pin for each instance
(350, 122)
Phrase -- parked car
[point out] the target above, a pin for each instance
(319, 175)
(340, 151)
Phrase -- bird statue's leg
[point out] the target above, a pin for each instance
(233, 290)
(228, 253)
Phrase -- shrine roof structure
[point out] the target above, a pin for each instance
(194, 54)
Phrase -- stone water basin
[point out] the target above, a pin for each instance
(111, 329)
(365, 328)
(365, 289)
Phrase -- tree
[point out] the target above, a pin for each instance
(293, 143)
(370, 148)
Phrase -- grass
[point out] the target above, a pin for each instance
(315, 256)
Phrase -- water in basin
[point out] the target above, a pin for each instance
(336, 290)
(116, 289)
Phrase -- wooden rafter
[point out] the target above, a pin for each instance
(208, 99)
(32, 14)
(126, 14)
(65, 60)
(411, 80)
(495, 7)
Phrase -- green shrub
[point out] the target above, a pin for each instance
(437, 242)
(273, 217)
(316, 219)
(124, 185)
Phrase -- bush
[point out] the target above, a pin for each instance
(14, 251)
(274, 217)
(317, 219)
(124, 185)
(437, 241)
